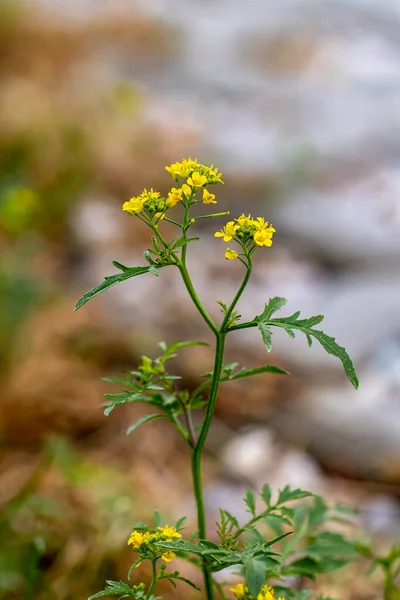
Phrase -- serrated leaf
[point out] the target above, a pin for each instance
(274, 304)
(292, 323)
(115, 588)
(287, 495)
(250, 501)
(258, 371)
(143, 420)
(266, 494)
(255, 571)
(111, 280)
(266, 335)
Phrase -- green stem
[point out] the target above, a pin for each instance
(196, 301)
(197, 455)
(242, 326)
(221, 214)
(236, 299)
(154, 579)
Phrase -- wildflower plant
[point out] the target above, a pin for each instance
(284, 540)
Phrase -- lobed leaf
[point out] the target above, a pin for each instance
(293, 323)
(287, 495)
(115, 588)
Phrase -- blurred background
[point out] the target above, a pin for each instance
(297, 102)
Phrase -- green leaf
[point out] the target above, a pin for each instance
(274, 304)
(266, 494)
(145, 419)
(115, 588)
(180, 523)
(258, 371)
(293, 323)
(327, 543)
(266, 335)
(287, 495)
(250, 501)
(318, 513)
(176, 575)
(111, 280)
(123, 398)
(255, 571)
(157, 519)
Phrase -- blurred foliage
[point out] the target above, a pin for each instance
(66, 521)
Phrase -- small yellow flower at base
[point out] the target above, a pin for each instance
(238, 590)
(134, 205)
(228, 232)
(174, 196)
(231, 254)
(168, 556)
(187, 190)
(196, 180)
(264, 237)
(208, 198)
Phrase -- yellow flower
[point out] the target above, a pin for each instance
(246, 221)
(160, 216)
(263, 237)
(176, 170)
(231, 254)
(197, 180)
(174, 196)
(238, 591)
(208, 198)
(228, 232)
(169, 533)
(188, 168)
(168, 556)
(137, 538)
(213, 175)
(267, 593)
(134, 205)
(150, 195)
(187, 190)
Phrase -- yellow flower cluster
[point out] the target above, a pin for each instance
(197, 177)
(245, 230)
(192, 170)
(150, 201)
(242, 593)
(141, 541)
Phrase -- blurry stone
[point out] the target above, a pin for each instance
(299, 470)
(96, 222)
(380, 515)
(249, 453)
(354, 433)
